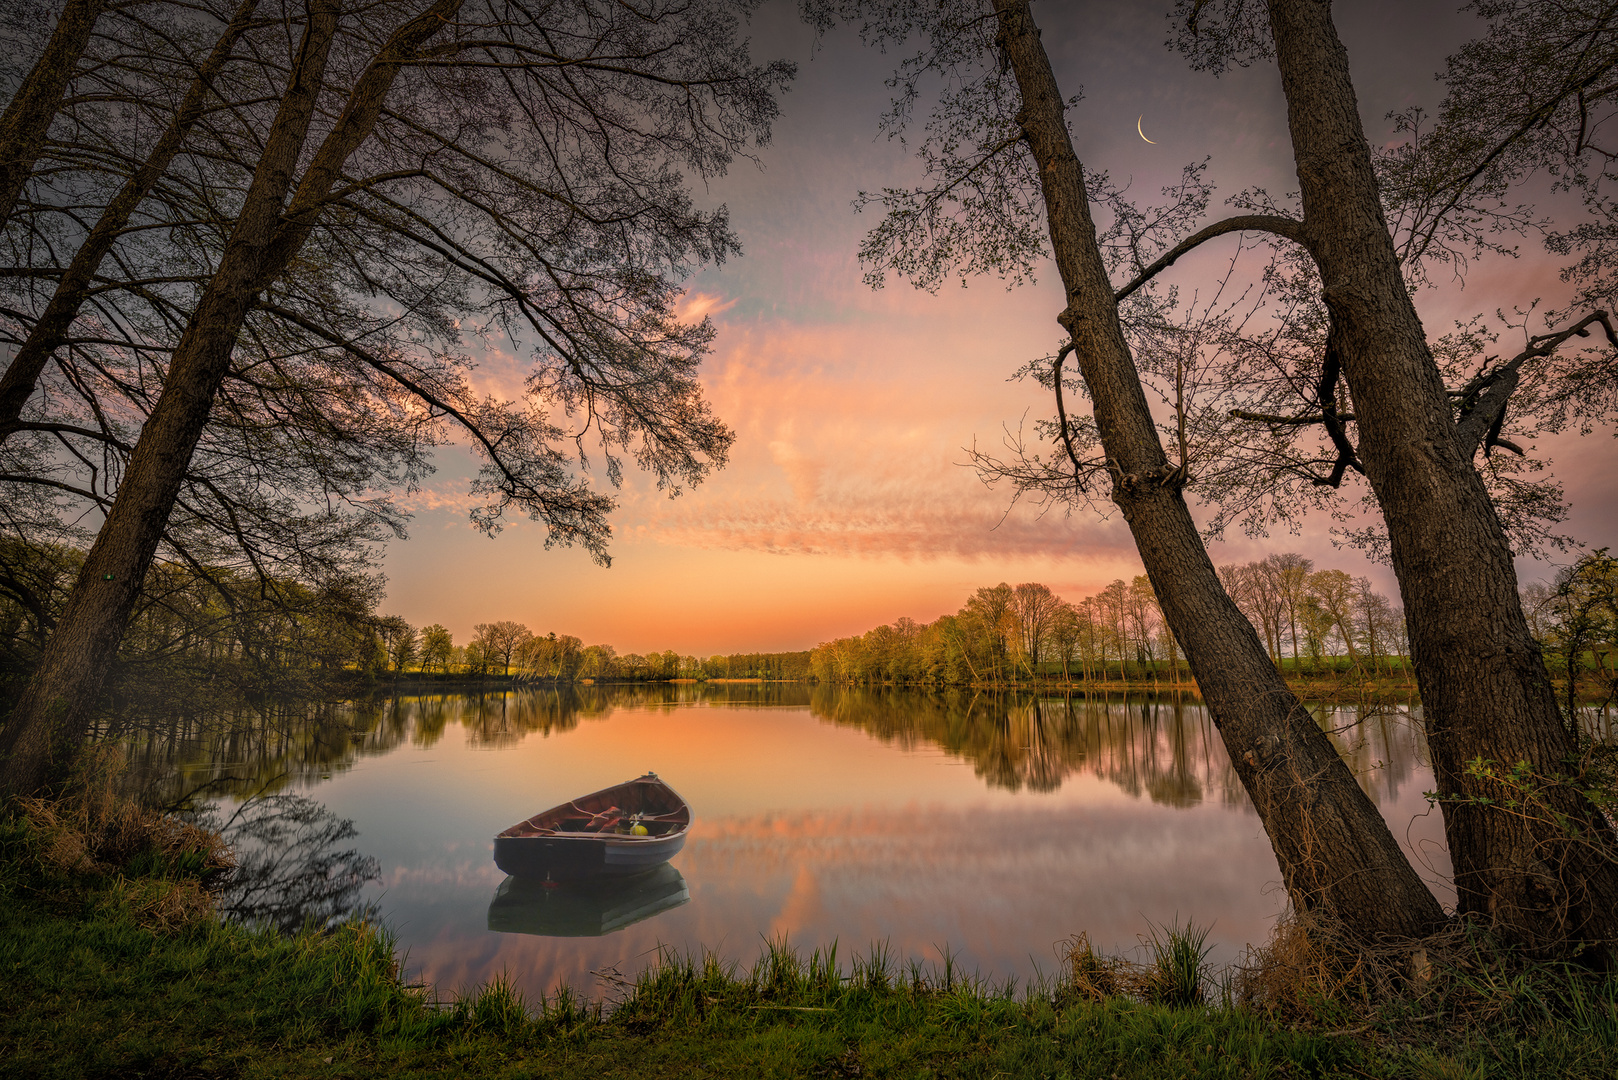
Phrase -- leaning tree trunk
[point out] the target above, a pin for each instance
(28, 117)
(73, 289)
(1541, 869)
(1336, 853)
(50, 716)
(46, 726)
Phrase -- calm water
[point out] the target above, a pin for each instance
(993, 826)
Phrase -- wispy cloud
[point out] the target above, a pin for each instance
(696, 305)
(841, 453)
(915, 531)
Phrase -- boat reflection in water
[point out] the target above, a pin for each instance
(585, 908)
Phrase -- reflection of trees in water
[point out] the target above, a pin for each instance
(290, 870)
(1164, 748)
(1381, 741)
(240, 747)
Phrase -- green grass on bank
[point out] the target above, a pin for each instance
(112, 975)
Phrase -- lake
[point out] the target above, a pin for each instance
(989, 825)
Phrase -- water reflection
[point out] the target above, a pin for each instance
(291, 870)
(240, 748)
(587, 908)
(1166, 749)
(995, 824)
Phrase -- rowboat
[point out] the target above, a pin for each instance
(625, 829)
(589, 907)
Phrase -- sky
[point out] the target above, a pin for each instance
(846, 502)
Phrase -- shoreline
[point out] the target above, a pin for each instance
(110, 974)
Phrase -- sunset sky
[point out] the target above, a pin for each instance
(846, 502)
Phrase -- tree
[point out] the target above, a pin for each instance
(1317, 626)
(74, 286)
(437, 647)
(1485, 691)
(1292, 572)
(599, 662)
(399, 641)
(567, 656)
(1112, 603)
(501, 641)
(34, 105)
(1583, 618)
(1376, 618)
(988, 616)
(578, 239)
(278, 485)
(1144, 617)
(1333, 591)
(1033, 607)
(1001, 158)
(1064, 636)
(1171, 647)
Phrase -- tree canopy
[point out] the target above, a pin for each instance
(302, 225)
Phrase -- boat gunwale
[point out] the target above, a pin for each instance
(603, 837)
(680, 827)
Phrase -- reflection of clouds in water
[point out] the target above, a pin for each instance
(803, 905)
(998, 886)
(993, 824)
(469, 874)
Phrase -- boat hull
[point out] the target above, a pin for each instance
(565, 857)
(588, 908)
(616, 832)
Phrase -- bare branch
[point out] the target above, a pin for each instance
(1290, 228)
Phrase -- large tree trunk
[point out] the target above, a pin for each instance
(1543, 873)
(1336, 853)
(49, 718)
(47, 723)
(28, 117)
(74, 287)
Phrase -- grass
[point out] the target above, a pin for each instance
(103, 980)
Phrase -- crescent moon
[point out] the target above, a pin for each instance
(1142, 133)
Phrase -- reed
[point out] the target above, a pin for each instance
(1178, 974)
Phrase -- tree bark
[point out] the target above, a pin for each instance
(1336, 853)
(48, 334)
(28, 117)
(1485, 691)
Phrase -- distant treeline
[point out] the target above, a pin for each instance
(199, 626)
(510, 649)
(1311, 621)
